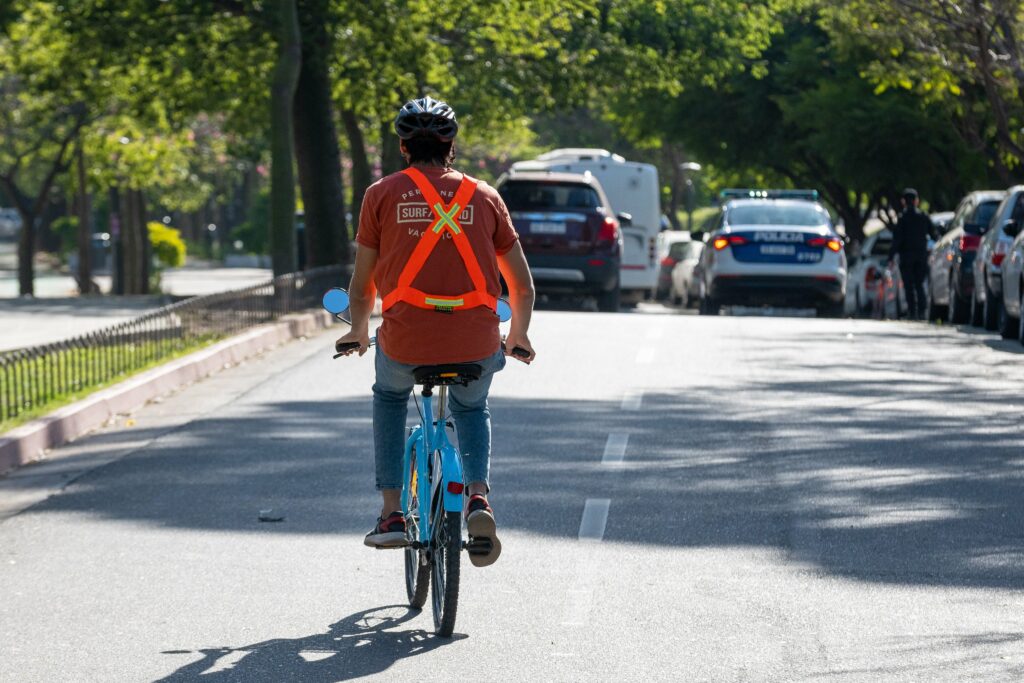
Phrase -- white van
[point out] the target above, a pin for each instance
(632, 188)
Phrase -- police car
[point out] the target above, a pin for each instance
(772, 247)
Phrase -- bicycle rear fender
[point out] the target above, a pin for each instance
(451, 468)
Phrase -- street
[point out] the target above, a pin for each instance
(680, 498)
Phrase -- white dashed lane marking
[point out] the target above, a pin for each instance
(633, 400)
(615, 448)
(595, 517)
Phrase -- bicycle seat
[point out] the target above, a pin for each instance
(453, 373)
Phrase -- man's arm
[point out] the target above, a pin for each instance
(516, 272)
(362, 294)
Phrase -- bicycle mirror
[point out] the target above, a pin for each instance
(335, 300)
(504, 311)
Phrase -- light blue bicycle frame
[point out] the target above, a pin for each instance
(427, 438)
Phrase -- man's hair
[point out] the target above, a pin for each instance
(430, 150)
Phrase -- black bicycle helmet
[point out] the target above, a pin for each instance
(426, 117)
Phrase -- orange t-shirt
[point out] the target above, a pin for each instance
(393, 217)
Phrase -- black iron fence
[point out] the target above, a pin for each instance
(33, 377)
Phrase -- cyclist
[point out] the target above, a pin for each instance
(432, 241)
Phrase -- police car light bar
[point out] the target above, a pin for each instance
(737, 193)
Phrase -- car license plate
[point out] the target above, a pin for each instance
(547, 228)
(778, 249)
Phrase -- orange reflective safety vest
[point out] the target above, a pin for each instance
(447, 219)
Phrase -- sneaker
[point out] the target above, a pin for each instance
(484, 546)
(388, 532)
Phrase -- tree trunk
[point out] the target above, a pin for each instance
(26, 253)
(282, 174)
(84, 205)
(316, 144)
(362, 175)
(390, 155)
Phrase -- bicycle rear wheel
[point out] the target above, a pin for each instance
(417, 570)
(447, 551)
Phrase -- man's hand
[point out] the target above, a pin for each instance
(516, 340)
(362, 337)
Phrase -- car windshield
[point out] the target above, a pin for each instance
(881, 246)
(983, 214)
(681, 250)
(522, 195)
(778, 214)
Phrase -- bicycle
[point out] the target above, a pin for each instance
(433, 486)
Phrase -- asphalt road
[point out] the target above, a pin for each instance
(681, 499)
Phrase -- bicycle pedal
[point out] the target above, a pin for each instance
(479, 546)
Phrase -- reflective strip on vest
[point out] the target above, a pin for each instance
(446, 220)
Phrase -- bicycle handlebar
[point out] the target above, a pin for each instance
(343, 349)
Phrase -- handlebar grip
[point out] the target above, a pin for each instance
(520, 352)
(347, 346)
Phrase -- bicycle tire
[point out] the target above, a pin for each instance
(445, 557)
(417, 573)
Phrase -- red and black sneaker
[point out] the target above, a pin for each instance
(484, 546)
(389, 532)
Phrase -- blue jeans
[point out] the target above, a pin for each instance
(468, 406)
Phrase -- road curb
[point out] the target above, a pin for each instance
(29, 442)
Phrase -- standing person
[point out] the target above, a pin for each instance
(432, 241)
(910, 243)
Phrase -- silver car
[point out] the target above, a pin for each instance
(988, 264)
(682, 291)
(1011, 312)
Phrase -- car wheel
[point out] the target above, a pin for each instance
(1020, 318)
(976, 311)
(990, 311)
(1007, 324)
(957, 306)
(831, 310)
(609, 301)
(709, 306)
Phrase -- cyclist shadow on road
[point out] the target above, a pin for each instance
(359, 645)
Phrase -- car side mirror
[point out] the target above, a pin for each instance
(625, 219)
(1011, 227)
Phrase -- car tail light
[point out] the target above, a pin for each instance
(832, 243)
(870, 276)
(969, 242)
(999, 253)
(721, 243)
(668, 261)
(609, 230)
(596, 262)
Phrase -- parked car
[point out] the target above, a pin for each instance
(867, 266)
(683, 291)
(951, 261)
(941, 220)
(10, 223)
(775, 247)
(569, 233)
(668, 256)
(987, 268)
(633, 190)
(1011, 312)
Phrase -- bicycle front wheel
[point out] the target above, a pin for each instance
(417, 569)
(447, 551)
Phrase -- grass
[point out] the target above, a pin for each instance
(33, 387)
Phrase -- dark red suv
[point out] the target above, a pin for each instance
(569, 233)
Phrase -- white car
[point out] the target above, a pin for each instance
(872, 289)
(668, 256)
(774, 247)
(682, 291)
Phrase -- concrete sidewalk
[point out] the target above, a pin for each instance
(56, 313)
